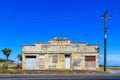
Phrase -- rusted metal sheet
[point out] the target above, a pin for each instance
(90, 64)
(90, 61)
(90, 58)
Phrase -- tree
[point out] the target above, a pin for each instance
(19, 65)
(6, 52)
(20, 56)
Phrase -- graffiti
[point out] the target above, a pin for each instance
(76, 62)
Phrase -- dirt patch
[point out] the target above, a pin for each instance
(49, 71)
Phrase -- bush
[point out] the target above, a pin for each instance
(19, 66)
(2, 60)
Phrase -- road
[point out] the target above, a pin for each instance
(94, 76)
(115, 75)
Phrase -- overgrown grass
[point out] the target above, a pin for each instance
(11, 66)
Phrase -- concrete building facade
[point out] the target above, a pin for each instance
(60, 53)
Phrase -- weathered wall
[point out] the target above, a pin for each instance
(77, 52)
(77, 61)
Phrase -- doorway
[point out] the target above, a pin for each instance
(41, 63)
(67, 61)
(31, 62)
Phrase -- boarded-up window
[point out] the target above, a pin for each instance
(89, 58)
(54, 58)
(41, 61)
(90, 61)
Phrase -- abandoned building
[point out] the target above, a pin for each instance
(60, 53)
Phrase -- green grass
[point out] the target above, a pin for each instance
(10, 66)
(10, 70)
(113, 66)
(101, 68)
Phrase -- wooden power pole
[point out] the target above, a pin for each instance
(105, 17)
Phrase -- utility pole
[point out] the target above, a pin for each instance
(105, 17)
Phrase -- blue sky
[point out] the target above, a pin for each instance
(30, 21)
